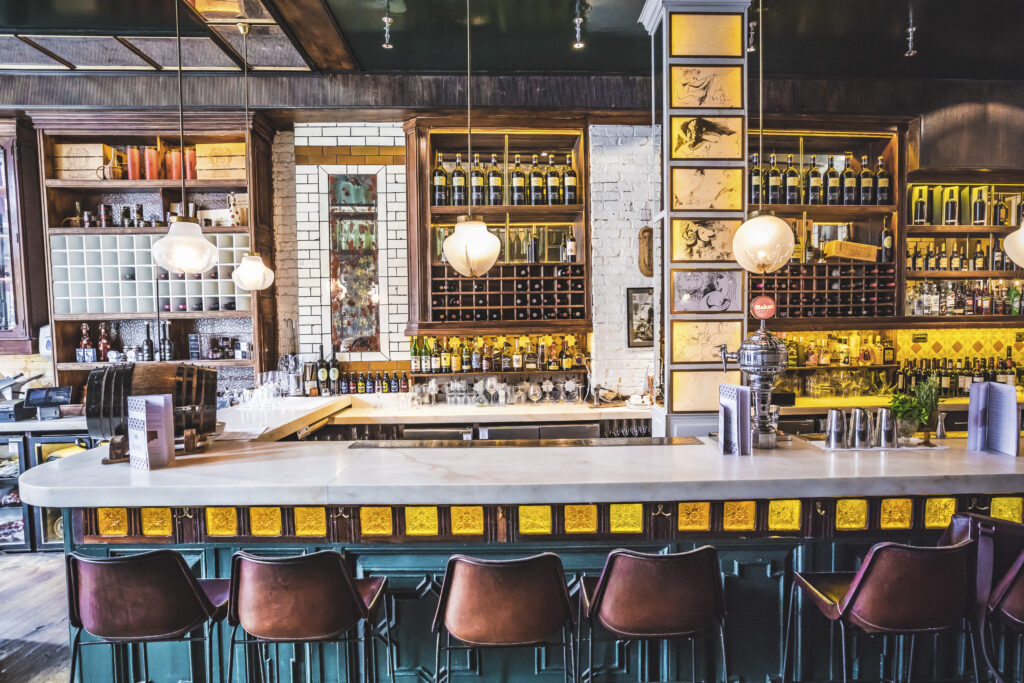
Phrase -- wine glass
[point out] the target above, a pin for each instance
(534, 393)
(492, 386)
(548, 387)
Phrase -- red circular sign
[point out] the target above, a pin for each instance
(762, 307)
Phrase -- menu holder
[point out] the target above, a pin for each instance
(151, 431)
(993, 419)
(733, 419)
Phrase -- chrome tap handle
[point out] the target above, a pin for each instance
(726, 356)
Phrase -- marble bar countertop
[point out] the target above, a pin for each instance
(385, 409)
(284, 417)
(329, 472)
(820, 406)
(74, 423)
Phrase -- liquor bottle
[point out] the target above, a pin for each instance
(477, 190)
(998, 257)
(506, 358)
(517, 358)
(446, 357)
(334, 372)
(385, 385)
(517, 185)
(920, 206)
(554, 360)
(883, 194)
(475, 358)
(361, 384)
(980, 262)
(812, 183)
(439, 183)
(570, 187)
(943, 258)
(530, 358)
(343, 384)
(866, 182)
(414, 356)
(486, 359)
(930, 260)
(465, 358)
(950, 207)
(833, 194)
(901, 378)
(435, 358)
(458, 195)
(1000, 212)
(147, 346)
(323, 384)
(494, 183)
(553, 182)
(536, 184)
(755, 180)
(352, 383)
(569, 248)
(885, 242)
(403, 386)
(774, 186)
(791, 179)
(978, 207)
(911, 259)
(532, 247)
(394, 382)
(956, 259)
(888, 352)
(456, 356)
(849, 181)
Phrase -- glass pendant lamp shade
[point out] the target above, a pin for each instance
(471, 249)
(763, 244)
(1013, 245)
(252, 274)
(184, 249)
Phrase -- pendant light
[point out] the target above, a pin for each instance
(251, 274)
(1013, 246)
(471, 249)
(764, 242)
(184, 249)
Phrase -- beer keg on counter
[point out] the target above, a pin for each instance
(193, 390)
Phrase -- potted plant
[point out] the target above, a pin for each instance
(907, 412)
(927, 395)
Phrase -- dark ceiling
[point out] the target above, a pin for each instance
(979, 39)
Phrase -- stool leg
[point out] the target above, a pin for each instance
(390, 654)
(910, 658)
(437, 659)
(573, 657)
(76, 651)
(789, 628)
(590, 652)
(565, 658)
(725, 661)
(448, 657)
(974, 650)
(842, 642)
(231, 656)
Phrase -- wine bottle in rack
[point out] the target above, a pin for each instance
(885, 242)
(439, 183)
(791, 181)
(833, 195)
(536, 183)
(755, 180)
(774, 185)
(477, 190)
(459, 197)
(866, 182)
(883, 189)
(570, 189)
(517, 184)
(494, 183)
(812, 183)
(849, 181)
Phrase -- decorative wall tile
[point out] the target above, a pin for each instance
(265, 521)
(706, 87)
(112, 521)
(706, 290)
(784, 515)
(694, 517)
(697, 390)
(580, 519)
(421, 521)
(697, 341)
(1007, 507)
(702, 239)
(535, 519)
(957, 342)
(467, 520)
(706, 35)
(221, 521)
(851, 514)
(707, 189)
(707, 137)
(739, 515)
(310, 521)
(375, 521)
(156, 521)
(626, 518)
(938, 512)
(896, 513)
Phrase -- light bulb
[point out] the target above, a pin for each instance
(763, 244)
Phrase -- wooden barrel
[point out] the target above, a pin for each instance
(193, 390)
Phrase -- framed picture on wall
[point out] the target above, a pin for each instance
(707, 291)
(640, 316)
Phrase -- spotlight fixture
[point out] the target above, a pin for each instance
(911, 51)
(752, 37)
(387, 26)
(578, 23)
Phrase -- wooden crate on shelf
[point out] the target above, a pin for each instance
(221, 161)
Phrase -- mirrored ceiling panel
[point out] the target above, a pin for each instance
(251, 11)
(17, 54)
(92, 52)
(197, 54)
(269, 47)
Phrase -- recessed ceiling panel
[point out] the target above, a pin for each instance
(16, 54)
(196, 53)
(251, 11)
(92, 52)
(96, 17)
(269, 47)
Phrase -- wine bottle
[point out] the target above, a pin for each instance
(791, 180)
(979, 258)
(459, 197)
(569, 248)
(536, 183)
(849, 181)
(517, 358)
(1000, 212)
(323, 384)
(570, 190)
(883, 194)
(942, 261)
(553, 182)
(885, 242)
(812, 183)
(465, 358)
(833, 195)
(517, 185)
(978, 207)
(950, 207)
(930, 259)
(866, 182)
(774, 186)
(955, 259)
(147, 346)
(494, 183)
(921, 206)
(477, 191)
(334, 372)
(414, 356)
(439, 183)
(435, 359)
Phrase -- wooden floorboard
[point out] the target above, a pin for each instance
(33, 618)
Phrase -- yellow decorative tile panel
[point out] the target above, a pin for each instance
(467, 520)
(851, 514)
(896, 513)
(739, 515)
(1007, 507)
(784, 515)
(156, 521)
(626, 518)
(706, 35)
(375, 521)
(221, 521)
(580, 519)
(310, 521)
(535, 519)
(421, 521)
(112, 521)
(938, 512)
(694, 517)
(958, 341)
(265, 521)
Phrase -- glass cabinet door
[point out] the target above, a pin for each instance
(8, 320)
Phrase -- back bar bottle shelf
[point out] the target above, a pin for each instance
(834, 289)
(538, 283)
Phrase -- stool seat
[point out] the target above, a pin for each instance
(826, 589)
(588, 586)
(217, 591)
(370, 591)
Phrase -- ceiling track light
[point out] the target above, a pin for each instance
(387, 25)
(578, 25)
(911, 29)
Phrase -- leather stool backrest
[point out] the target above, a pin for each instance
(902, 588)
(146, 596)
(303, 597)
(642, 594)
(504, 602)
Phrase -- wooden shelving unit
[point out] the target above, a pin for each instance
(957, 230)
(964, 274)
(119, 129)
(830, 212)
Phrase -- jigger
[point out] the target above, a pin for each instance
(860, 429)
(835, 429)
(885, 428)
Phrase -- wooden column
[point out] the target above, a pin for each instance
(699, 81)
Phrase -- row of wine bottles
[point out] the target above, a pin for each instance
(326, 378)
(956, 379)
(963, 298)
(957, 260)
(985, 209)
(540, 185)
(770, 184)
(446, 356)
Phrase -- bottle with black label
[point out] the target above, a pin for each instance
(980, 260)
(921, 206)
(147, 346)
(1000, 212)
(774, 186)
(435, 358)
(343, 384)
(812, 183)
(883, 191)
(553, 182)
(866, 182)
(755, 180)
(323, 383)
(998, 257)
(459, 196)
(833, 195)
(395, 386)
(570, 188)
(385, 384)
(439, 183)
(536, 183)
(495, 184)
(849, 181)
(885, 242)
(791, 180)
(517, 185)
(950, 207)
(361, 384)
(477, 190)
(978, 207)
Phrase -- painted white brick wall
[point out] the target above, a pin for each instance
(624, 189)
(285, 255)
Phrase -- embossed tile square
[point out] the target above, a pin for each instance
(221, 521)
(535, 519)
(694, 517)
(112, 521)
(310, 521)
(421, 521)
(375, 521)
(626, 518)
(938, 512)
(580, 519)
(1007, 507)
(784, 515)
(851, 514)
(896, 513)
(739, 515)
(467, 520)
(265, 521)
(156, 521)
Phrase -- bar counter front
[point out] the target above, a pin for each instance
(401, 509)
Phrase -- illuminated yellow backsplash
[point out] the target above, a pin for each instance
(959, 342)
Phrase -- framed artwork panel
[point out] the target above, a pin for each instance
(707, 189)
(706, 35)
(693, 86)
(707, 291)
(702, 239)
(719, 138)
(697, 341)
(697, 390)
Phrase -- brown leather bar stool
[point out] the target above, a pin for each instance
(899, 590)
(308, 599)
(652, 596)
(143, 598)
(503, 603)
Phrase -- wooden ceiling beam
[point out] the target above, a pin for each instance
(313, 30)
